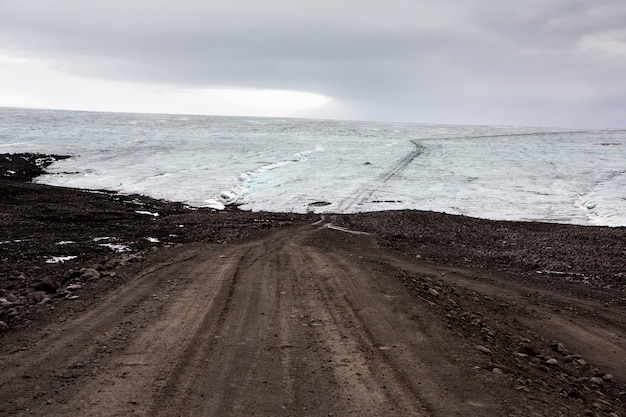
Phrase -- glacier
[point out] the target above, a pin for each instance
(330, 166)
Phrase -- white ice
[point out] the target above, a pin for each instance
(495, 172)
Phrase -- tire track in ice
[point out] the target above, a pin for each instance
(364, 193)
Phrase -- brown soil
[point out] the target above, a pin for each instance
(236, 313)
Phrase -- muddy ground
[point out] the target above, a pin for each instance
(126, 305)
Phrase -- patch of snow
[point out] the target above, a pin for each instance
(343, 229)
(4, 242)
(147, 213)
(116, 247)
(60, 259)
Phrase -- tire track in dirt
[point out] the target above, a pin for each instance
(134, 380)
(600, 340)
(226, 353)
(79, 342)
(365, 381)
(410, 354)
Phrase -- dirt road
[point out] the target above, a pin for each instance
(310, 321)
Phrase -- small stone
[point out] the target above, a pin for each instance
(3, 327)
(37, 296)
(597, 381)
(73, 287)
(530, 350)
(581, 362)
(89, 273)
(552, 361)
(482, 349)
(47, 285)
(497, 371)
(607, 377)
(433, 292)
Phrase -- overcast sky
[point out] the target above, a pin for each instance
(528, 62)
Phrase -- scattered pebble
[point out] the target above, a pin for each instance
(433, 292)
(482, 349)
(74, 287)
(597, 380)
(89, 273)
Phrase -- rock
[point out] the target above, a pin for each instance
(607, 378)
(124, 259)
(37, 296)
(3, 327)
(73, 287)
(559, 347)
(530, 350)
(47, 285)
(552, 361)
(597, 381)
(433, 292)
(482, 349)
(497, 371)
(89, 273)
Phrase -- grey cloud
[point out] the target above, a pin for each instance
(456, 60)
